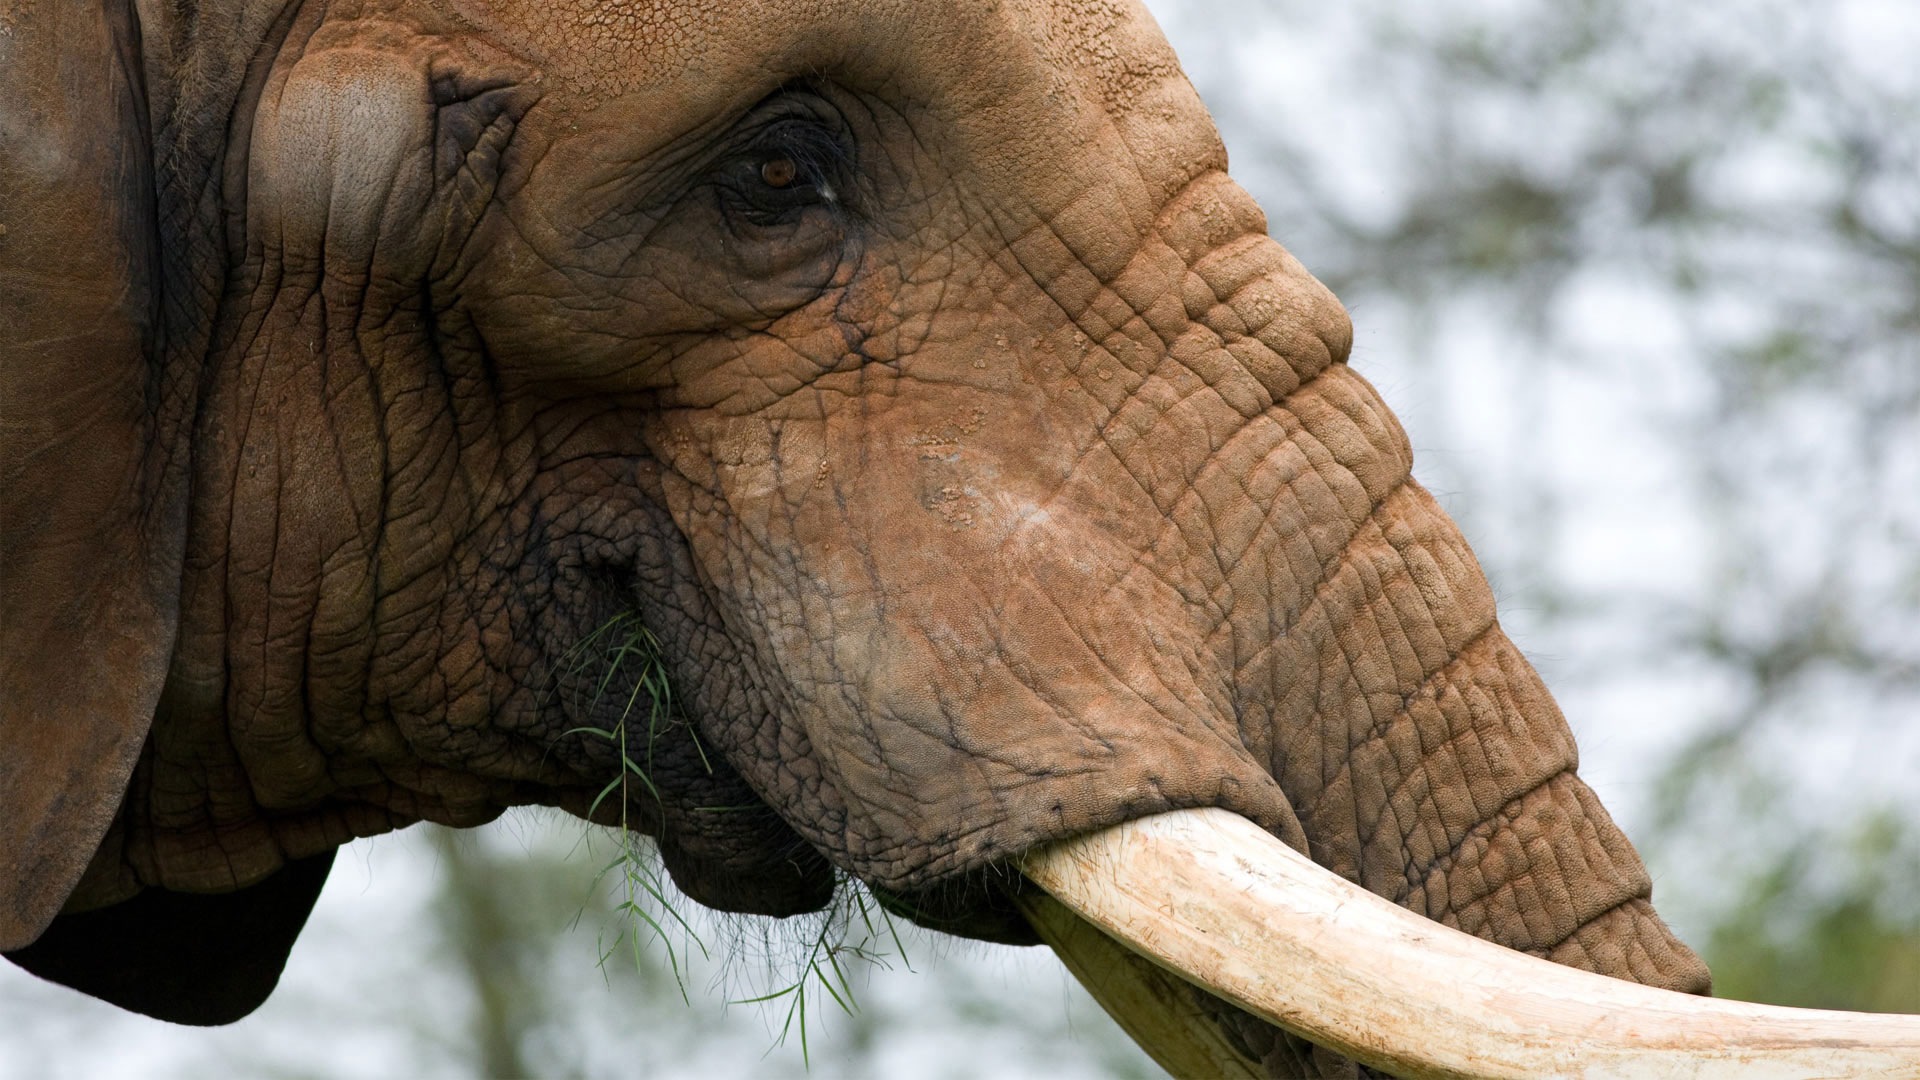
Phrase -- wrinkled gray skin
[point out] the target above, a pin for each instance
(912, 370)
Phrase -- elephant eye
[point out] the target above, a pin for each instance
(792, 165)
(778, 172)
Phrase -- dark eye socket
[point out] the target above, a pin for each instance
(789, 166)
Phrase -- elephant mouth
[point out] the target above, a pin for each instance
(1144, 912)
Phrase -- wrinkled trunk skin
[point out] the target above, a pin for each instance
(1418, 750)
(1428, 763)
(1421, 753)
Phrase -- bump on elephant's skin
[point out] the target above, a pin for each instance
(912, 370)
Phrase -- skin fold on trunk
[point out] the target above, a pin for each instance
(1420, 753)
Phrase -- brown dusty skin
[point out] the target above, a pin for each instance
(85, 582)
(993, 480)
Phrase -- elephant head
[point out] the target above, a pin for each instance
(913, 372)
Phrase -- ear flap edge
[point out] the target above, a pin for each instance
(185, 958)
(89, 534)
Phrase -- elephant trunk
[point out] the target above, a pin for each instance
(1427, 762)
(1418, 751)
(1451, 790)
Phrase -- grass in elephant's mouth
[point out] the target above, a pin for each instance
(621, 645)
(845, 936)
(853, 933)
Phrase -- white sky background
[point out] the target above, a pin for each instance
(362, 998)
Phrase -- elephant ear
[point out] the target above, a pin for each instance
(183, 957)
(90, 523)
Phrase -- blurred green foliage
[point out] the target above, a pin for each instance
(1845, 935)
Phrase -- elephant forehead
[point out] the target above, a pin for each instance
(602, 50)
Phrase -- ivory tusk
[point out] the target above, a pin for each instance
(1213, 898)
(1156, 1009)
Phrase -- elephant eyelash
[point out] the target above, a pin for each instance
(815, 160)
(818, 149)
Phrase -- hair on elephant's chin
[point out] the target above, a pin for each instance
(800, 882)
(977, 905)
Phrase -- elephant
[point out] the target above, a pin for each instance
(914, 373)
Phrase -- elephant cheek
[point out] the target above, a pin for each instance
(989, 697)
